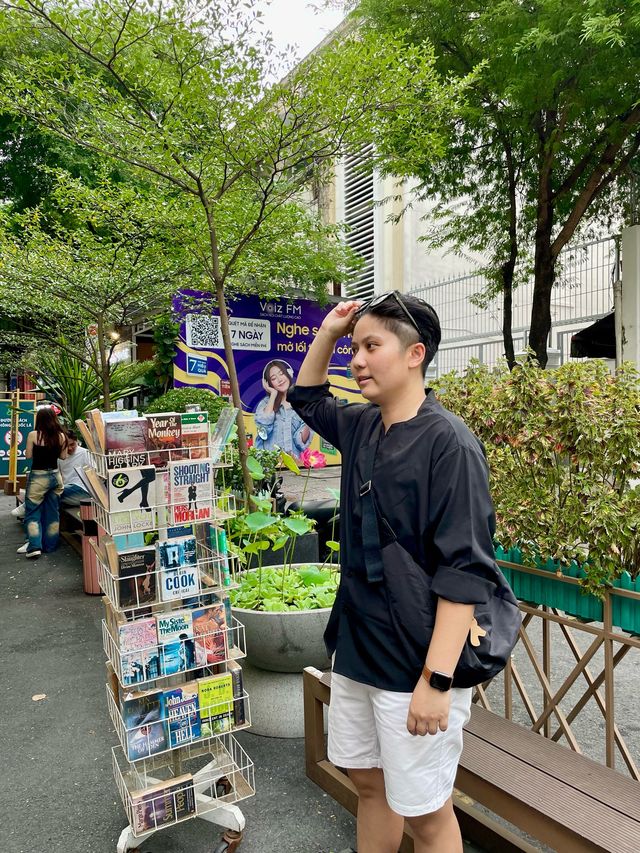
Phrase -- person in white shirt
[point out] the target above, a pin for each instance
(77, 457)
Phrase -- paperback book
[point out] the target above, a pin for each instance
(215, 693)
(221, 432)
(163, 804)
(182, 713)
(178, 568)
(142, 718)
(137, 577)
(126, 442)
(210, 634)
(190, 488)
(164, 437)
(195, 435)
(132, 490)
(138, 646)
(239, 713)
(175, 637)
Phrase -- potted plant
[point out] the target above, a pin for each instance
(564, 453)
(284, 608)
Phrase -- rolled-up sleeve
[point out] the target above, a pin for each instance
(319, 409)
(462, 524)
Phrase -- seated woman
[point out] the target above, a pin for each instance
(277, 424)
(46, 444)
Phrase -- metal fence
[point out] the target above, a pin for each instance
(472, 327)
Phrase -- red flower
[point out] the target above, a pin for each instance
(313, 459)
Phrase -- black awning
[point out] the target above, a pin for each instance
(597, 340)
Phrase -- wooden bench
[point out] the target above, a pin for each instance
(567, 801)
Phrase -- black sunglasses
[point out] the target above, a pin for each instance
(382, 297)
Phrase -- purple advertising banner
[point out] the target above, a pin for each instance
(270, 339)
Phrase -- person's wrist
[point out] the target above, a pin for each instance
(437, 679)
(328, 335)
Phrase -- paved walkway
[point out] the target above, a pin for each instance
(57, 793)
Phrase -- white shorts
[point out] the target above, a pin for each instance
(368, 728)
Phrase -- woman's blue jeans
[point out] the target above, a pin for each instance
(41, 510)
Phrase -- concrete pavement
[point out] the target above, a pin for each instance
(57, 793)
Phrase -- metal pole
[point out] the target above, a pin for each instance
(13, 447)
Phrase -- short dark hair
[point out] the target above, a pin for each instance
(395, 320)
(72, 435)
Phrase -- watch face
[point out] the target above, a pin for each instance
(440, 681)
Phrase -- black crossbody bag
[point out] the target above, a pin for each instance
(412, 605)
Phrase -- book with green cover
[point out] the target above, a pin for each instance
(215, 694)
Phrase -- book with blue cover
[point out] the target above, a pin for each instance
(178, 563)
(146, 730)
(181, 711)
(175, 638)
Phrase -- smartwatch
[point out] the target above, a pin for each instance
(437, 680)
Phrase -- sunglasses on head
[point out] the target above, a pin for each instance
(382, 297)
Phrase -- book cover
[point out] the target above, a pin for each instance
(132, 489)
(138, 645)
(94, 484)
(210, 634)
(119, 415)
(85, 432)
(126, 442)
(191, 495)
(96, 427)
(142, 718)
(182, 713)
(218, 541)
(137, 577)
(175, 638)
(164, 434)
(163, 804)
(215, 693)
(178, 563)
(195, 434)
(221, 432)
(239, 714)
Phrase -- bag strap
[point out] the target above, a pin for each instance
(370, 532)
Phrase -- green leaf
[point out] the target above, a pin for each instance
(259, 520)
(289, 462)
(255, 468)
(299, 526)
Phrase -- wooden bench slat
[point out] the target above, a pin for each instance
(549, 798)
(588, 776)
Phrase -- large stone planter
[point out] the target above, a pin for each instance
(285, 642)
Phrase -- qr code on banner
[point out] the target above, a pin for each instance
(203, 332)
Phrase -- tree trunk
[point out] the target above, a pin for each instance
(544, 273)
(235, 388)
(508, 268)
(104, 372)
(507, 311)
(544, 261)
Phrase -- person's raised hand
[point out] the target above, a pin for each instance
(270, 392)
(339, 321)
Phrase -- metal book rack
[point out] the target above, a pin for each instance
(162, 782)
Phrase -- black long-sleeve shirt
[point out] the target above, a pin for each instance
(430, 484)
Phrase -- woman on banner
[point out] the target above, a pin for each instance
(277, 425)
(46, 444)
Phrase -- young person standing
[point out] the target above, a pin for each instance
(396, 631)
(46, 444)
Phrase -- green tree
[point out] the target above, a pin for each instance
(551, 121)
(75, 289)
(183, 94)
